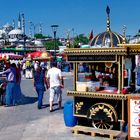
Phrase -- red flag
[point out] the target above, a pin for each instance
(91, 35)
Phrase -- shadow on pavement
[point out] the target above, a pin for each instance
(27, 100)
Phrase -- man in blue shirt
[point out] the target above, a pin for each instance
(11, 83)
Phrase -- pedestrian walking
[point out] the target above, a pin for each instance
(39, 82)
(36, 64)
(55, 85)
(11, 84)
(24, 69)
(18, 82)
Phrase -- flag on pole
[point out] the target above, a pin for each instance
(91, 35)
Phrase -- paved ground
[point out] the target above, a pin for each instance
(26, 122)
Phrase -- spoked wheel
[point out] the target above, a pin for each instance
(103, 115)
(101, 124)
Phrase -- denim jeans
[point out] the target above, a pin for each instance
(10, 93)
(40, 93)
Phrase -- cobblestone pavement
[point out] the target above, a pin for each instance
(26, 122)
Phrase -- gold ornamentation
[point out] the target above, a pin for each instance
(78, 106)
(109, 113)
(98, 95)
(106, 108)
(103, 122)
(108, 64)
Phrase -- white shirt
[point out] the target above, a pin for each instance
(54, 74)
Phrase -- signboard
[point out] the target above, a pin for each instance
(97, 58)
(134, 117)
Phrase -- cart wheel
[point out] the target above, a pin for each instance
(103, 116)
(102, 124)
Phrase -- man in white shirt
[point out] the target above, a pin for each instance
(55, 83)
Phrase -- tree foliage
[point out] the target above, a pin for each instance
(80, 39)
(39, 36)
(50, 44)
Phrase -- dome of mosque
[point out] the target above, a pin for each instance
(107, 38)
(16, 32)
(7, 25)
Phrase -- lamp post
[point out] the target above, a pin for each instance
(54, 29)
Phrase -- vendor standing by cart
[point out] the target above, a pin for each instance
(11, 83)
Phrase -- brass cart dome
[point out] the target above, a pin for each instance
(107, 38)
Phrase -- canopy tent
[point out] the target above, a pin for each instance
(33, 54)
(10, 56)
(44, 56)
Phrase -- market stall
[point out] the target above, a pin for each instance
(13, 58)
(10, 56)
(28, 63)
(44, 56)
(33, 54)
(104, 105)
(101, 94)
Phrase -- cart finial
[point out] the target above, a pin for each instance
(108, 18)
(108, 10)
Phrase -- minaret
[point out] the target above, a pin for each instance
(40, 28)
(13, 23)
(124, 30)
(108, 18)
(23, 24)
(19, 22)
(30, 29)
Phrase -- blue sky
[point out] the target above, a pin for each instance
(81, 15)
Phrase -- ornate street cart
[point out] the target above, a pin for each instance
(101, 98)
(105, 108)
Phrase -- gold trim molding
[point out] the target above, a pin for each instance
(121, 50)
(98, 95)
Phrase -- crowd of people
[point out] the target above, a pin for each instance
(44, 78)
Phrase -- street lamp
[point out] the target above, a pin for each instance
(54, 29)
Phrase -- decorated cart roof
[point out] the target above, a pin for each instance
(122, 49)
(108, 38)
(106, 43)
